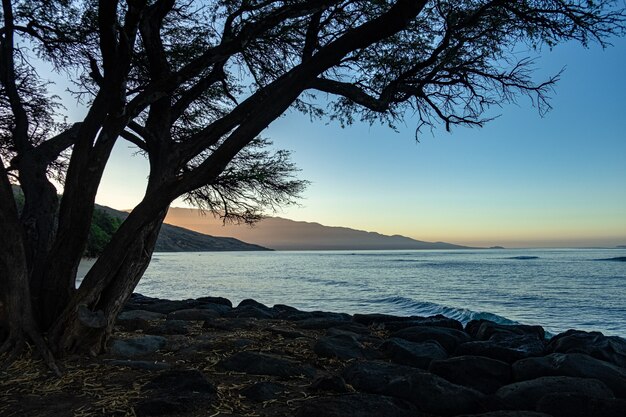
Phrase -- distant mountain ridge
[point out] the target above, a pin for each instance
(177, 239)
(284, 234)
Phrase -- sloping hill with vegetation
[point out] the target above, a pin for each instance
(106, 220)
(178, 239)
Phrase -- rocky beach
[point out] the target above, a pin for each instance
(204, 357)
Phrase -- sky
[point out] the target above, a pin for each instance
(521, 181)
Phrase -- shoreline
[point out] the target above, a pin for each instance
(201, 357)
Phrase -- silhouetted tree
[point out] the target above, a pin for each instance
(193, 84)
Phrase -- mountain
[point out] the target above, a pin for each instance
(284, 234)
(177, 239)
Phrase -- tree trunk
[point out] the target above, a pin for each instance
(14, 285)
(38, 219)
(87, 323)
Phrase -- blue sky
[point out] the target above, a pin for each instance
(521, 181)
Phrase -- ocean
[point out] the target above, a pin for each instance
(559, 289)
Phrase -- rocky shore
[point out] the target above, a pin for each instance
(204, 357)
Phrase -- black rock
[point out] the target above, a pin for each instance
(171, 327)
(525, 395)
(230, 324)
(193, 314)
(505, 347)
(430, 393)
(482, 374)
(446, 337)
(572, 364)
(419, 355)
(285, 332)
(164, 306)
(432, 321)
(138, 346)
(250, 311)
(332, 383)
(576, 405)
(248, 302)
(264, 364)
(215, 300)
(132, 325)
(353, 328)
(318, 323)
(341, 347)
(356, 405)
(369, 319)
(140, 314)
(218, 308)
(607, 348)
(485, 329)
(263, 391)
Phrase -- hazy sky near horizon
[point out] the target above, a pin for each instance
(520, 181)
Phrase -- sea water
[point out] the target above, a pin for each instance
(559, 289)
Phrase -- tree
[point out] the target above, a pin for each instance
(193, 84)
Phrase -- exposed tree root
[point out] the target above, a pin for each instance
(16, 343)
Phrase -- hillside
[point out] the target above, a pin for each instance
(284, 234)
(178, 239)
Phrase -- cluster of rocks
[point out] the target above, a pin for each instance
(376, 364)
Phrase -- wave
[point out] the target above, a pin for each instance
(424, 308)
(615, 259)
(523, 257)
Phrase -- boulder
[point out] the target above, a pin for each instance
(340, 346)
(525, 395)
(285, 332)
(353, 328)
(171, 327)
(132, 325)
(377, 319)
(140, 314)
(250, 311)
(430, 393)
(215, 300)
(419, 355)
(432, 321)
(263, 391)
(332, 383)
(356, 405)
(300, 316)
(446, 337)
(248, 302)
(482, 374)
(230, 324)
(193, 314)
(607, 348)
(572, 364)
(577, 405)
(137, 346)
(484, 329)
(264, 364)
(165, 306)
(503, 347)
(319, 323)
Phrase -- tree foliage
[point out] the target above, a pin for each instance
(192, 84)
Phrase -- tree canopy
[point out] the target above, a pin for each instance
(193, 84)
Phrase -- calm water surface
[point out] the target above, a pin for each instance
(557, 288)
